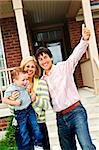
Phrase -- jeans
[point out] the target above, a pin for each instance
(45, 140)
(25, 117)
(71, 124)
(18, 139)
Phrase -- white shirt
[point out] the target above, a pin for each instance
(60, 79)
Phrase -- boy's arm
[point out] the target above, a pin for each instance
(11, 102)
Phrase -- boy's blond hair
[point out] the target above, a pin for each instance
(15, 73)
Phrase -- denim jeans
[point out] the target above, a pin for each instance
(71, 124)
(45, 140)
(25, 117)
(18, 138)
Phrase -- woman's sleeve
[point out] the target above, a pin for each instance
(42, 95)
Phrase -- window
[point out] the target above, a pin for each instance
(49, 35)
(55, 49)
(5, 78)
(3, 72)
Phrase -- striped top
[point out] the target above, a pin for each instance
(40, 105)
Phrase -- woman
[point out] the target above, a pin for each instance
(39, 88)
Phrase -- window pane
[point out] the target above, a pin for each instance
(3, 81)
(55, 49)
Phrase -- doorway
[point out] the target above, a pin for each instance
(53, 39)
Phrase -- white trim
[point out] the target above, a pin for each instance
(95, 12)
(18, 9)
(3, 54)
(93, 50)
(4, 111)
(97, 62)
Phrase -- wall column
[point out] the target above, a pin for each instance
(92, 43)
(17, 5)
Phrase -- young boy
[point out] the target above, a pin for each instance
(23, 110)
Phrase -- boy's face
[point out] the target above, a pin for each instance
(45, 62)
(21, 80)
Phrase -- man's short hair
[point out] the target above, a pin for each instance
(42, 50)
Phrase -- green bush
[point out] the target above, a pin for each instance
(10, 134)
(8, 143)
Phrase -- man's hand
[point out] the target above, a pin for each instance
(85, 33)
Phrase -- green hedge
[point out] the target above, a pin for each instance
(8, 143)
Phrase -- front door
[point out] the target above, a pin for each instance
(52, 39)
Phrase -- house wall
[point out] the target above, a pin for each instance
(75, 35)
(11, 42)
(96, 25)
(3, 123)
(75, 31)
(12, 49)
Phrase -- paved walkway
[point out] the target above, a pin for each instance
(91, 103)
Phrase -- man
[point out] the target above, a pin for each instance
(71, 115)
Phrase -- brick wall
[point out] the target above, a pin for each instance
(11, 41)
(3, 123)
(96, 25)
(75, 31)
(75, 35)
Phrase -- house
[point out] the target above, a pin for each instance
(27, 25)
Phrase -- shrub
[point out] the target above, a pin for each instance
(9, 140)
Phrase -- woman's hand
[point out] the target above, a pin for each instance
(14, 95)
(33, 96)
(9, 101)
(85, 33)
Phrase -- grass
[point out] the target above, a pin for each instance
(3, 146)
(7, 148)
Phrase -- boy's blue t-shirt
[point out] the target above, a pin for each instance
(23, 97)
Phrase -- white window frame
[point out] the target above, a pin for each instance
(4, 110)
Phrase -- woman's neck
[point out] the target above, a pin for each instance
(31, 84)
(31, 80)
